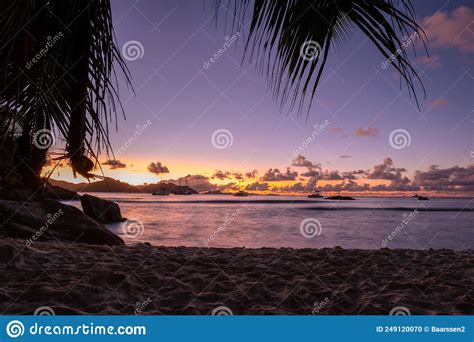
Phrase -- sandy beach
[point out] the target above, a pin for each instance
(140, 279)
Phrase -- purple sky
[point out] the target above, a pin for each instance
(186, 102)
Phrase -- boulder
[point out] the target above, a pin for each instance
(58, 193)
(52, 220)
(100, 209)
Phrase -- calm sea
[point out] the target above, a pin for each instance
(297, 222)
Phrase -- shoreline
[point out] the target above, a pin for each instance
(140, 279)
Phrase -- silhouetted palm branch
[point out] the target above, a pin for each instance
(56, 71)
(279, 29)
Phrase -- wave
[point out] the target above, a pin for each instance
(392, 209)
(218, 201)
(344, 205)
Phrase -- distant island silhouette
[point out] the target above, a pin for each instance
(113, 185)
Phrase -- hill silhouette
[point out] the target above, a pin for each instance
(113, 185)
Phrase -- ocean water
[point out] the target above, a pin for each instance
(296, 222)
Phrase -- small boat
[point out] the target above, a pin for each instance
(241, 193)
(420, 198)
(161, 192)
(315, 194)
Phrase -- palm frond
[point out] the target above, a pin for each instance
(57, 62)
(279, 29)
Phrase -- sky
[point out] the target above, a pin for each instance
(216, 119)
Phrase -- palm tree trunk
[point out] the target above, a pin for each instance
(81, 40)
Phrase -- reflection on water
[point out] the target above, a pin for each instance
(274, 221)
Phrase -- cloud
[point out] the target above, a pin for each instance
(355, 174)
(229, 186)
(114, 164)
(402, 184)
(221, 175)
(251, 174)
(197, 182)
(331, 175)
(432, 62)
(451, 179)
(157, 168)
(455, 29)
(233, 174)
(301, 161)
(369, 132)
(274, 175)
(238, 175)
(257, 187)
(345, 156)
(440, 102)
(336, 130)
(311, 173)
(344, 186)
(386, 171)
(297, 187)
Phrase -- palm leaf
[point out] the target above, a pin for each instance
(279, 29)
(57, 62)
